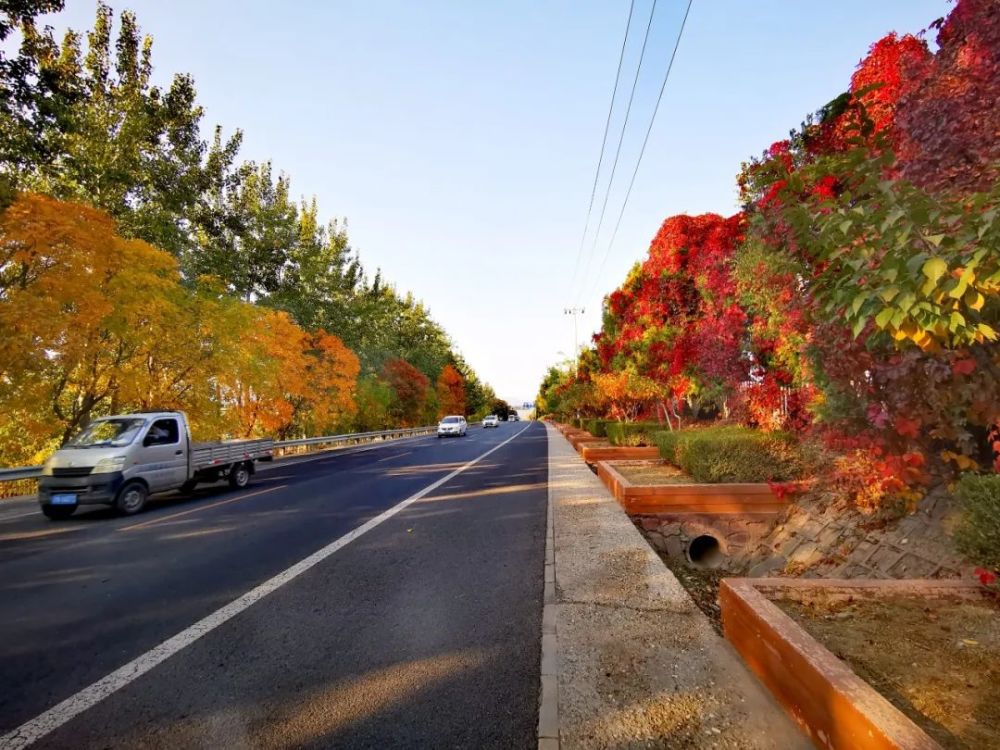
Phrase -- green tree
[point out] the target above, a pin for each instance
(25, 93)
(122, 145)
(248, 245)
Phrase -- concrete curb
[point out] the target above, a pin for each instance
(548, 709)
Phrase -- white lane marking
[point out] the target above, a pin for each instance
(19, 515)
(390, 458)
(47, 722)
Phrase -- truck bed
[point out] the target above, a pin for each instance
(207, 455)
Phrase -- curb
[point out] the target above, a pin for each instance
(548, 705)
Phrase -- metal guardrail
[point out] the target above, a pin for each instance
(33, 472)
(23, 472)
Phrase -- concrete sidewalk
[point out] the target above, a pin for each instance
(628, 660)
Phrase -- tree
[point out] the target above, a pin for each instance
(409, 387)
(948, 120)
(249, 248)
(626, 394)
(26, 96)
(320, 284)
(122, 144)
(501, 408)
(450, 392)
(374, 402)
(95, 323)
(79, 307)
(677, 319)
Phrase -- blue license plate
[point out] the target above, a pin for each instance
(63, 499)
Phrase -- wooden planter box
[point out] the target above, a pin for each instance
(640, 499)
(580, 439)
(834, 706)
(594, 453)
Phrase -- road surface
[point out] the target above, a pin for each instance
(336, 602)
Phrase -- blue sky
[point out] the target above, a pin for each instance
(459, 139)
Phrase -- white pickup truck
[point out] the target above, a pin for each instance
(121, 460)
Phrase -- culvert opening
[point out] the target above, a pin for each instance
(705, 551)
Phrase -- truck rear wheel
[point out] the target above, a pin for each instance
(58, 512)
(131, 498)
(239, 476)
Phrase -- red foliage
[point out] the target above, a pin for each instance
(949, 125)
(676, 316)
(410, 388)
(986, 577)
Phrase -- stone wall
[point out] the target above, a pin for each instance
(738, 534)
(816, 541)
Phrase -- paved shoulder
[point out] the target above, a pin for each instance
(638, 664)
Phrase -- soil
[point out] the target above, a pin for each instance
(652, 473)
(937, 660)
(701, 583)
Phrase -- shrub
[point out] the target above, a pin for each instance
(732, 454)
(978, 533)
(595, 427)
(632, 433)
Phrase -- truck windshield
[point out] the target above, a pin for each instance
(116, 433)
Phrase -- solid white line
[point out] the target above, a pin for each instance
(55, 717)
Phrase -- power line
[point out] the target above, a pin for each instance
(604, 142)
(621, 139)
(642, 151)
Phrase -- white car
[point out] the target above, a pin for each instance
(491, 421)
(452, 425)
(513, 417)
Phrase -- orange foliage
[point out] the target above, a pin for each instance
(94, 324)
(450, 392)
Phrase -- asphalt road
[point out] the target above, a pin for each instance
(421, 632)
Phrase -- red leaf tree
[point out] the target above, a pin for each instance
(450, 392)
(409, 387)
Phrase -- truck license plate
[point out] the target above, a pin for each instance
(63, 499)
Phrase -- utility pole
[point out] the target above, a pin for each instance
(574, 311)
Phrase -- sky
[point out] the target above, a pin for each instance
(460, 139)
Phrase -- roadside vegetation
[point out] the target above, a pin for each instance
(843, 325)
(143, 265)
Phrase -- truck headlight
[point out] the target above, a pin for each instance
(108, 465)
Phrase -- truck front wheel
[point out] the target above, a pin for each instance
(239, 476)
(131, 498)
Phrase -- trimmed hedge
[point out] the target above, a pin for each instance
(632, 434)
(595, 426)
(732, 454)
(978, 532)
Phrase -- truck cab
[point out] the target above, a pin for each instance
(120, 460)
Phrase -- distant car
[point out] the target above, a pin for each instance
(512, 417)
(456, 426)
(491, 421)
